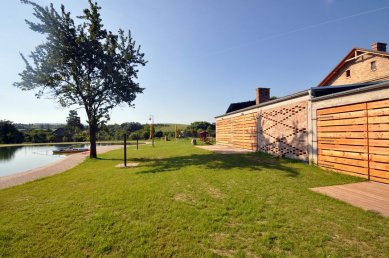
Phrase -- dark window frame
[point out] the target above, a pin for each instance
(373, 65)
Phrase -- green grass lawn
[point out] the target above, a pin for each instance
(186, 202)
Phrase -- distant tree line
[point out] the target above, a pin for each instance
(75, 131)
(43, 126)
(9, 133)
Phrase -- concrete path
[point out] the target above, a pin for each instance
(221, 149)
(51, 169)
(366, 195)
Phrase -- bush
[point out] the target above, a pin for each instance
(158, 134)
(134, 136)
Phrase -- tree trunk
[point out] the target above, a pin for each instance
(92, 137)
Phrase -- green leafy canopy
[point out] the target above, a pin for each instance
(83, 64)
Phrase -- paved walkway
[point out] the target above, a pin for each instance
(51, 169)
(222, 149)
(366, 195)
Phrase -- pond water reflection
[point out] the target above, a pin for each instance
(7, 153)
(21, 158)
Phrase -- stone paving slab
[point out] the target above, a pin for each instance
(51, 169)
(366, 195)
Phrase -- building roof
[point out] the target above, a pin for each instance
(240, 105)
(320, 93)
(354, 53)
(323, 91)
(269, 102)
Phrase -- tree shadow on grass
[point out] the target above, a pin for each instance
(255, 162)
(118, 159)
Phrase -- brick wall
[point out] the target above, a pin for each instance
(360, 70)
(283, 131)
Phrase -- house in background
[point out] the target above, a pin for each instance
(342, 125)
(360, 65)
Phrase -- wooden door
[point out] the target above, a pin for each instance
(354, 139)
(378, 129)
(342, 139)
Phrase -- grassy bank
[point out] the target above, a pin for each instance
(186, 202)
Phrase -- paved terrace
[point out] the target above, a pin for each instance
(366, 195)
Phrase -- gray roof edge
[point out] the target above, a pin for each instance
(373, 87)
(270, 102)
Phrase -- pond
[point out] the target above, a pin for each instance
(18, 159)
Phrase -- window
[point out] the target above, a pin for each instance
(373, 66)
(348, 73)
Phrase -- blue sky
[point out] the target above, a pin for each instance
(203, 55)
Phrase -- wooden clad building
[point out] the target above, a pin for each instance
(343, 128)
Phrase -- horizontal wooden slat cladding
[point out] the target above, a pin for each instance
(349, 148)
(341, 109)
(349, 128)
(378, 179)
(379, 173)
(350, 121)
(240, 131)
(378, 135)
(345, 154)
(347, 115)
(347, 168)
(378, 104)
(244, 134)
(379, 150)
(379, 112)
(379, 165)
(343, 133)
(359, 163)
(379, 120)
(379, 158)
(355, 135)
(378, 127)
(243, 141)
(344, 141)
(380, 142)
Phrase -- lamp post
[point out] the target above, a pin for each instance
(175, 132)
(151, 119)
(125, 150)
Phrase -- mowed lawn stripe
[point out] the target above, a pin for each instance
(186, 202)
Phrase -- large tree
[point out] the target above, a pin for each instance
(83, 65)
